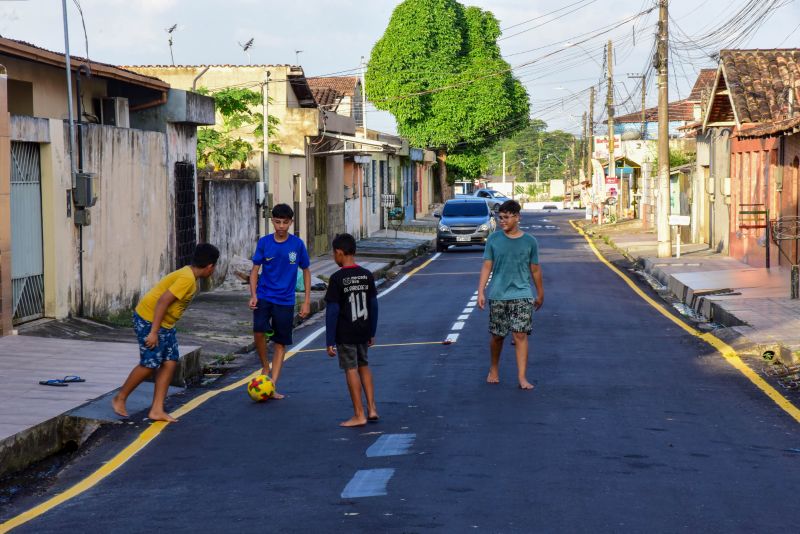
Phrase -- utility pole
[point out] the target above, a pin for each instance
(662, 205)
(644, 102)
(539, 161)
(263, 225)
(584, 140)
(363, 98)
(612, 164)
(590, 144)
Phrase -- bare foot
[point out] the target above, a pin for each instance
(277, 395)
(493, 377)
(373, 416)
(354, 421)
(161, 416)
(119, 406)
(265, 371)
(524, 384)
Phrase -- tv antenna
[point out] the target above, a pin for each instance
(169, 31)
(246, 47)
(297, 57)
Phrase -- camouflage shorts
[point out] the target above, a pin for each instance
(510, 316)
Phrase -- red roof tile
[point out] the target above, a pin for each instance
(346, 85)
(681, 110)
(759, 82)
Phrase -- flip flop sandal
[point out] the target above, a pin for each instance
(54, 382)
(72, 378)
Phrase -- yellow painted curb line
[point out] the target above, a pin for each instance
(728, 353)
(148, 435)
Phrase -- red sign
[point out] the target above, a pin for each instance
(611, 180)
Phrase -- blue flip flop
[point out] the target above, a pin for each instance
(54, 382)
(72, 378)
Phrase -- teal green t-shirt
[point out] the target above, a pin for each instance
(511, 261)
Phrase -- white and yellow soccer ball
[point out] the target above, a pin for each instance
(261, 388)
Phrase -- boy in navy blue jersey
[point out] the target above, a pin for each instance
(351, 321)
(272, 293)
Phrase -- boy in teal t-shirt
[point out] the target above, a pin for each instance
(511, 258)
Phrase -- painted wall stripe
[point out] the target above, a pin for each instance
(727, 352)
(368, 483)
(391, 445)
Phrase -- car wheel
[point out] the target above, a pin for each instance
(440, 247)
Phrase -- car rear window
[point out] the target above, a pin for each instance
(465, 209)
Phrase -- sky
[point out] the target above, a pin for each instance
(556, 47)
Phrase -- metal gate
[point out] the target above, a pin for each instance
(185, 220)
(27, 262)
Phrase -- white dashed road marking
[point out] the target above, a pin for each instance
(458, 325)
(391, 445)
(368, 483)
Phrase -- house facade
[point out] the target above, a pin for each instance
(66, 241)
(752, 108)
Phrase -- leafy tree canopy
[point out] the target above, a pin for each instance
(438, 69)
(222, 146)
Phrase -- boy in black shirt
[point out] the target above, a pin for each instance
(351, 321)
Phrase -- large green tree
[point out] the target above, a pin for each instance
(438, 69)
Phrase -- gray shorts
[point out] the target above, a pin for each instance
(352, 356)
(510, 316)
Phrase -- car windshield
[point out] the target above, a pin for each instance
(465, 209)
(497, 194)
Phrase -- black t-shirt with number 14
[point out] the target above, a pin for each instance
(352, 288)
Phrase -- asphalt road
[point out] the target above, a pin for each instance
(634, 426)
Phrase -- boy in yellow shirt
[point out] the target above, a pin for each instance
(154, 323)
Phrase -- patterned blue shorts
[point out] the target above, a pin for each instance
(167, 348)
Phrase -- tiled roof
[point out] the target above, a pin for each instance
(759, 81)
(704, 83)
(346, 85)
(679, 111)
(771, 128)
(326, 97)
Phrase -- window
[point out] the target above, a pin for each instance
(465, 209)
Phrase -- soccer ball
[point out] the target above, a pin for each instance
(261, 388)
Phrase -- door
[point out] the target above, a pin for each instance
(27, 259)
(408, 192)
(185, 219)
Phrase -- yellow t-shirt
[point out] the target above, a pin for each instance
(180, 283)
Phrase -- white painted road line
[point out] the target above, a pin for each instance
(473, 298)
(403, 279)
(367, 483)
(452, 338)
(458, 325)
(391, 445)
(463, 317)
(467, 310)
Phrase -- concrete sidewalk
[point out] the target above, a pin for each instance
(754, 302)
(36, 420)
